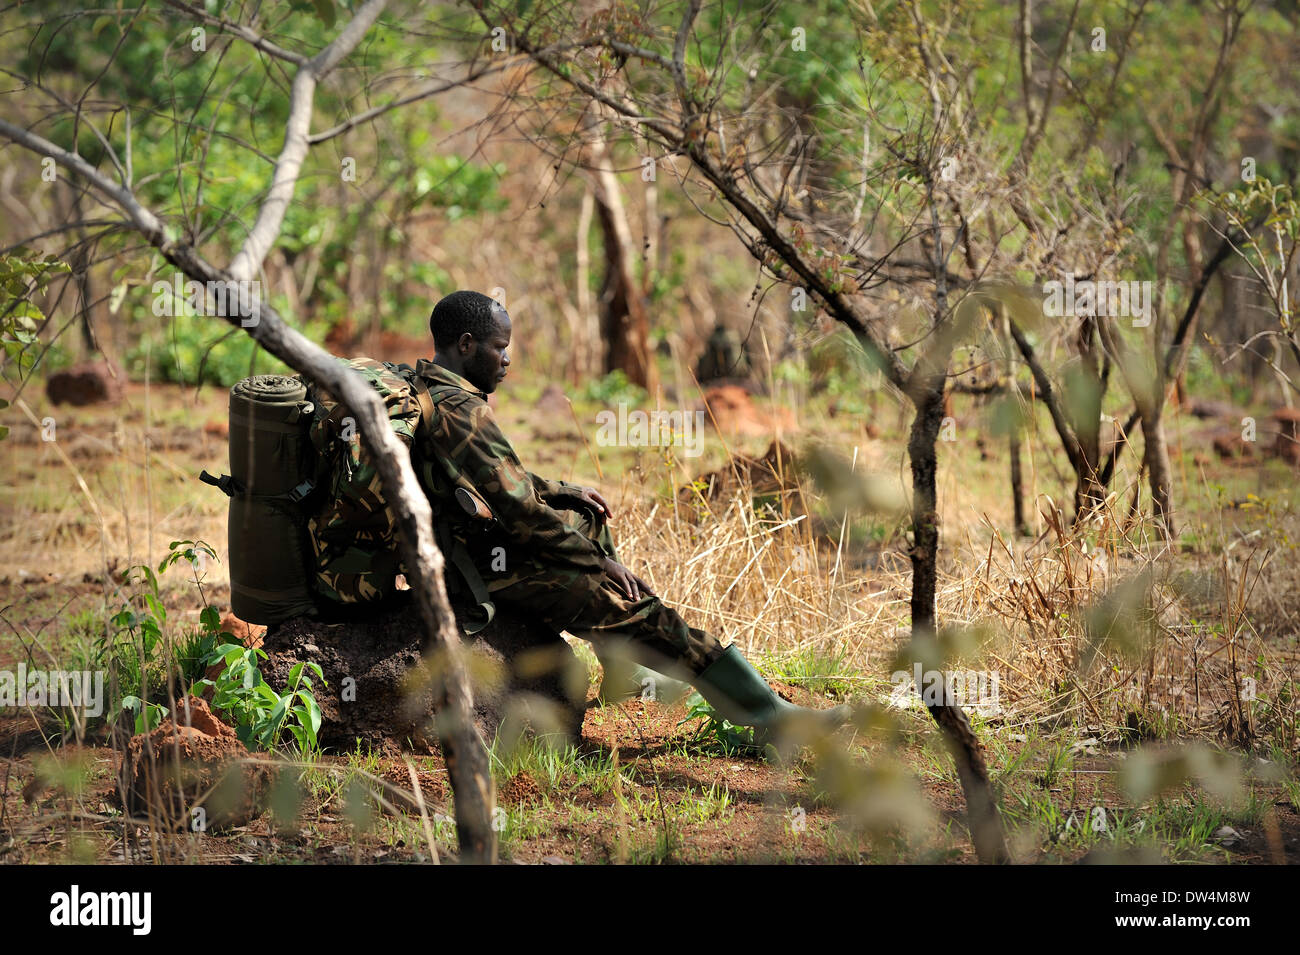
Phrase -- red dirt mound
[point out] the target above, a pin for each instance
(191, 762)
(732, 411)
(86, 384)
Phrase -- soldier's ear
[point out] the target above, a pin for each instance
(465, 344)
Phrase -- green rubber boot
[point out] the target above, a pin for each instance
(627, 680)
(740, 694)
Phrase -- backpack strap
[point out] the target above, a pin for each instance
(230, 487)
(453, 549)
(460, 559)
(425, 400)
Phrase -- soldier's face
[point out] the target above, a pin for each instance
(486, 366)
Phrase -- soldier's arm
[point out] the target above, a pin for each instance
(478, 451)
(564, 496)
(550, 490)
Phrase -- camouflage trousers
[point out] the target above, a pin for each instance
(645, 631)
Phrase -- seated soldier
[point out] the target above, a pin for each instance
(547, 550)
(725, 356)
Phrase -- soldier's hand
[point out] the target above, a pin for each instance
(628, 582)
(592, 498)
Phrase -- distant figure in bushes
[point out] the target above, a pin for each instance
(544, 547)
(725, 356)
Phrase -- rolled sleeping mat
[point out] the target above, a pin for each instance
(270, 456)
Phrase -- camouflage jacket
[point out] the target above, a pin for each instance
(533, 552)
(352, 533)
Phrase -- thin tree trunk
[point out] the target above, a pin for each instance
(981, 806)
(81, 271)
(927, 389)
(1017, 484)
(587, 350)
(1279, 374)
(1088, 492)
(1156, 459)
(1085, 408)
(625, 325)
(1013, 435)
(650, 240)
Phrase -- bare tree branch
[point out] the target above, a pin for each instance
(247, 34)
(271, 215)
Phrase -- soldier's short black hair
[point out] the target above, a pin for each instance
(461, 312)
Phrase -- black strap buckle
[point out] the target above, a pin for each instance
(301, 491)
(226, 484)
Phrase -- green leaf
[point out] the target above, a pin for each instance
(325, 10)
(313, 711)
(278, 711)
(150, 635)
(155, 606)
(222, 654)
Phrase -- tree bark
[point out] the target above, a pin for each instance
(1086, 412)
(587, 350)
(1081, 449)
(1017, 484)
(1156, 458)
(981, 806)
(624, 322)
(1013, 435)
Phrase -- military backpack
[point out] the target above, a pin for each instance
(309, 529)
